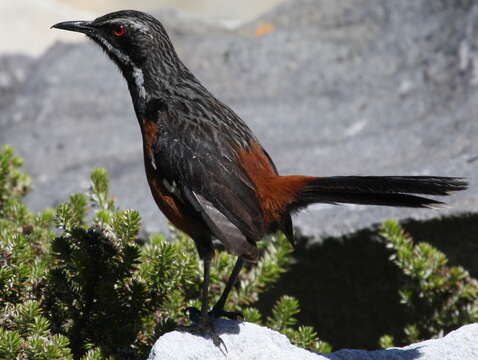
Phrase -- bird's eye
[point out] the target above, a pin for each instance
(118, 30)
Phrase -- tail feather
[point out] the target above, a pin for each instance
(377, 190)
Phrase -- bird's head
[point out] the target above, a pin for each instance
(135, 41)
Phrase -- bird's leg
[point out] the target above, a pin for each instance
(206, 321)
(218, 309)
(203, 321)
(205, 289)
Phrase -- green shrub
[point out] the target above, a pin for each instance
(25, 239)
(440, 297)
(78, 281)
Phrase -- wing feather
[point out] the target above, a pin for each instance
(209, 179)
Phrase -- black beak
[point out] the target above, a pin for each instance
(78, 26)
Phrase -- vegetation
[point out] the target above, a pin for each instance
(77, 282)
(440, 297)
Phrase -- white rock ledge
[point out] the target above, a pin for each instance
(249, 341)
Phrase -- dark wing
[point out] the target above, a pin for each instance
(199, 165)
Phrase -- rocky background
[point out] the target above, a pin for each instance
(330, 87)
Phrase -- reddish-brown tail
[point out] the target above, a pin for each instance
(376, 190)
(280, 194)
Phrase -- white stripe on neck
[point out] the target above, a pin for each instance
(138, 75)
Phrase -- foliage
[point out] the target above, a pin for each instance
(441, 297)
(283, 320)
(78, 281)
(13, 184)
(25, 332)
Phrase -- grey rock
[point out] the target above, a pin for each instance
(14, 70)
(249, 341)
(242, 341)
(350, 87)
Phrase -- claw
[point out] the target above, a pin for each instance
(216, 339)
(205, 327)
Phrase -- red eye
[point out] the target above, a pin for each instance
(119, 30)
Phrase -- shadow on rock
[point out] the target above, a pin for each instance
(348, 288)
(409, 354)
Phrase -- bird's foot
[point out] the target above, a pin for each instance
(205, 326)
(202, 325)
(231, 315)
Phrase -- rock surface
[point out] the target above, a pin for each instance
(248, 341)
(349, 87)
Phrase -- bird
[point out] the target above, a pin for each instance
(208, 172)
